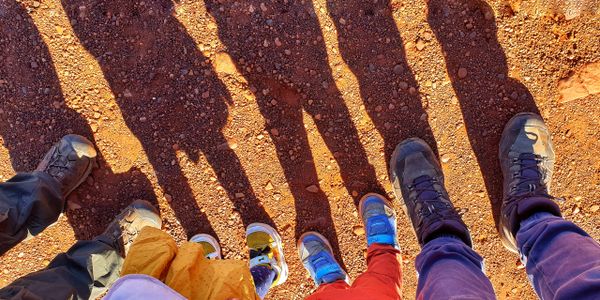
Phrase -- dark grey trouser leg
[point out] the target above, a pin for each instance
(29, 202)
(84, 272)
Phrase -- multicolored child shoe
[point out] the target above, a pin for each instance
(212, 249)
(380, 220)
(317, 256)
(266, 249)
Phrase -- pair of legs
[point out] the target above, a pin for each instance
(561, 260)
(267, 263)
(195, 269)
(30, 202)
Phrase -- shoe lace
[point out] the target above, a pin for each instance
(529, 178)
(125, 234)
(57, 164)
(431, 207)
(256, 252)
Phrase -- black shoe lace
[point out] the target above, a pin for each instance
(529, 185)
(260, 251)
(58, 162)
(431, 208)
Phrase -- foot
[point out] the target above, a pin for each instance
(126, 227)
(70, 161)
(210, 245)
(380, 220)
(527, 161)
(266, 248)
(317, 256)
(418, 179)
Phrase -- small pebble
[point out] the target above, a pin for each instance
(462, 73)
(398, 69)
(420, 44)
(312, 188)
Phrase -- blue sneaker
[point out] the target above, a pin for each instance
(317, 256)
(379, 219)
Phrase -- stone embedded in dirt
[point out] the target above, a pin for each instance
(278, 42)
(263, 7)
(312, 188)
(427, 36)
(73, 204)
(358, 230)
(584, 82)
(445, 158)
(269, 186)
(342, 21)
(34, 65)
(274, 131)
(398, 69)
(240, 195)
(224, 64)
(420, 44)
(462, 73)
(403, 85)
(169, 198)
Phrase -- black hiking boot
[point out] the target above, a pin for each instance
(123, 230)
(69, 161)
(527, 161)
(418, 179)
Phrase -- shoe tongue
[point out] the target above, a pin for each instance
(529, 166)
(424, 182)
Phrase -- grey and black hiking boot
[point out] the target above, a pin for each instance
(123, 230)
(418, 179)
(527, 161)
(69, 161)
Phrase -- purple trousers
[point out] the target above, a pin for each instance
(561, 260)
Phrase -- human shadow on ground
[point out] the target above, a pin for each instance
(170, 98)
(278, 47)
(34, 116)
(488, 97)
(372, 47)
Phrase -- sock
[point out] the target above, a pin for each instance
(263, 276)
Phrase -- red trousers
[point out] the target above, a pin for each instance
(382, 280)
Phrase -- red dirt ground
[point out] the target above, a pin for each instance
(227, 112)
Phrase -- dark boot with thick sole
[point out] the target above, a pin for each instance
(69, 161)
(418, 180)
(126, 226)
(527, 160)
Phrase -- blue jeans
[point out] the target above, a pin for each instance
(561, 260)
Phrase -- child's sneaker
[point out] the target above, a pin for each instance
(379, 219)
(266, 249)
(317, 256)
(212, 249)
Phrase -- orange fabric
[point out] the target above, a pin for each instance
(186, 270)
(382, 280)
